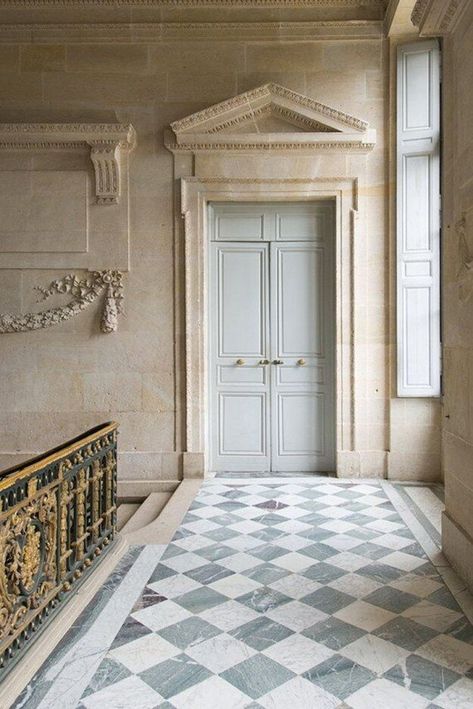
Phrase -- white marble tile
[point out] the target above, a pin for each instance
(295, 586)
(384, 525)
(292, 542)
(373, 500)
(355, 585)
(185, 562)
(294, 561)
(220, 653)
(392, 541)
(458, 696)
(235, 585)
(295, 615)
(212, 693)
(432, 615)
(248, 512)
(364, 615)
(298, 693)
(243, 542)
(334, 513)
(246, 526)
(207, 512)
(449, 652)
(377, 512)
(421, 586)
(291, 512)
(251, 499)
(229, 615)
(201, 526)
(348, 561)
(130, 693)
(161, 615)
(193, 542)
(174, 586)
(342, 542)
(331, 500)
(145, 652)
(382, 693)
(298, 653)
(403, 561)
(293, 526)
(239, 562)
(376, 654)
(339, 526)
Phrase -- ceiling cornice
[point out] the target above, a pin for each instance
(143, 33)
(192, 3)
(438, 17)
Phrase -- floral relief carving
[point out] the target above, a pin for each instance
(84, 292)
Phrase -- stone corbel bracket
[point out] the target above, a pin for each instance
(106, 142)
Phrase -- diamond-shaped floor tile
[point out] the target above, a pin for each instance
(339, 676)
(261, 633)
(174, 676)
(257, 676)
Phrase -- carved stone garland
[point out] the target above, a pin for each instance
(83, 292)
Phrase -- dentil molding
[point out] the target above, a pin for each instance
(323, 128)
(191, 3)
(437, 17)
(105, 141)
(84, 292)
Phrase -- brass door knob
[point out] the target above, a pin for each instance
(301, 362)
(278, 361)
(264, 362)
(239, 362)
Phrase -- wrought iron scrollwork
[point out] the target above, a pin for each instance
(57, 514)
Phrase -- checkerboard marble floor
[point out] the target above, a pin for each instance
(307, 593)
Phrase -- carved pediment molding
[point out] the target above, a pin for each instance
(104, 140)
(193, 3)
(437, 17)
(301, 124)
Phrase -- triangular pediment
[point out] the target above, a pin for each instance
(270, 116)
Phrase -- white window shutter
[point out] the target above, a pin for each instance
(418, 219)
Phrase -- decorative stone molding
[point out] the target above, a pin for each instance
(193, 3)
(437, 17)
(105, 140)
(325, 128)
(83, 292)
(146, 32)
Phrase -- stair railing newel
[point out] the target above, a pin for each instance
(57, 517)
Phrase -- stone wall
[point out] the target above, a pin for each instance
(458, 296)
(59, 381)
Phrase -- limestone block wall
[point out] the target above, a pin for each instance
(59, 381)
(457, 422)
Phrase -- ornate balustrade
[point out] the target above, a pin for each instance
(57, 515)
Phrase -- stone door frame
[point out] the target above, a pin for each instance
(196, 193)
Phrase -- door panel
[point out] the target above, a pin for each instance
(272, 338)
(302, 391)
(239, 391)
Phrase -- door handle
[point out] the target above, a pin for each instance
(264, 362)
(239, 362)
(301, 362)
(278, 361)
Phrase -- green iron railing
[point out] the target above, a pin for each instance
(57, 515)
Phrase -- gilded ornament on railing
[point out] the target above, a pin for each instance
(56, 516)
(84, 292)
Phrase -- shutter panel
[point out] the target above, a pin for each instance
(418, 219)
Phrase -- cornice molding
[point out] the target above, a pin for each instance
(191, 3)
(105, 141)
(437, 17)
(325, 128)
(266, 93)
(146, 32)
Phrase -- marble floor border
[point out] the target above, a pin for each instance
(420, 514)
(454, 583)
